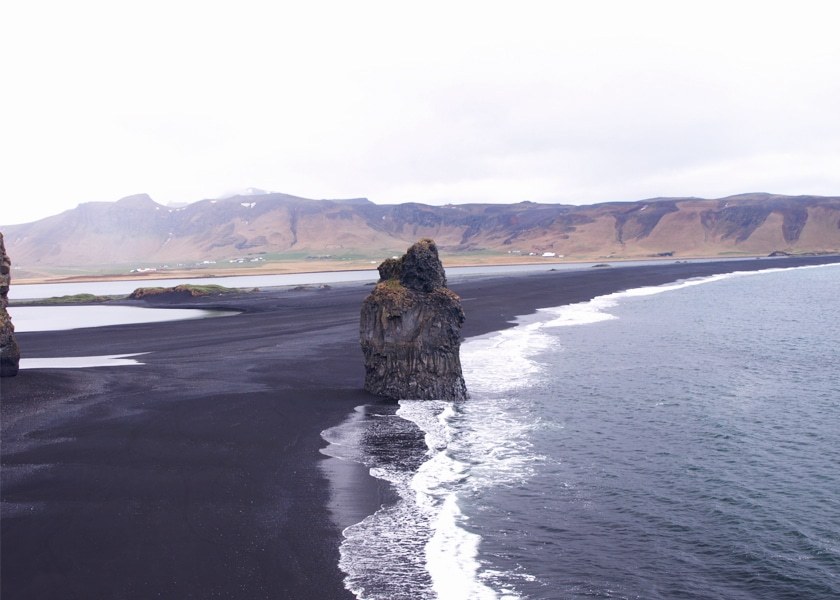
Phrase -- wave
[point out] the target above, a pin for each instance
(424, 545)
(596, 310)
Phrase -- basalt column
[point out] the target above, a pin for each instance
(410, 330)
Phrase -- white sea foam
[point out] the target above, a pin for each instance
(451, 552)
(502, 360)
(383, 555)
(597, 309)
(420, 547)
(582, 313)
(345, 439)
(474, 447)
(451, 557)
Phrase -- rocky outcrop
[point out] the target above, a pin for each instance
(185, 291)
(410, 330)
(9, 351)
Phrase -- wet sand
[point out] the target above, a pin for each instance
(196, 474)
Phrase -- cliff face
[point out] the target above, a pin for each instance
(410, 330)
(136, 231)
(9, 351)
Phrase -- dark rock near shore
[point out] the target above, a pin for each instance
(185, 291)
(9, 350)
(410, 330)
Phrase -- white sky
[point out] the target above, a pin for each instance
(572, 102)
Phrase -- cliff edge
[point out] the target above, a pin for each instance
(9, 351)
(410, 330)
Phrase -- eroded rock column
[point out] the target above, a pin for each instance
(9, 351)
(410, 330)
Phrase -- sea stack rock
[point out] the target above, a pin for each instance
(9, 351)
(410, 330)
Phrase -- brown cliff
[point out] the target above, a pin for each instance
(410, 330)
(9, 351)
(138, 232)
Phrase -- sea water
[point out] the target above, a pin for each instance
(679, 441)
(59, 318)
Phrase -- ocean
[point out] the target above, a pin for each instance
(680, 441)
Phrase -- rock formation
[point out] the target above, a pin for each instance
(410, 330)
(9, 351)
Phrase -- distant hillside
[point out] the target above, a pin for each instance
(272, 226)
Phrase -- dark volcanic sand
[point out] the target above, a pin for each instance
(196, 474)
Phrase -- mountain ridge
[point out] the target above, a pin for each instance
(273, 226)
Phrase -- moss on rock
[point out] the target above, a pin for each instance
(185, 290)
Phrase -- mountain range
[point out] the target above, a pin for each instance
(272, 226)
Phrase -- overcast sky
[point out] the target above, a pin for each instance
(435, 102)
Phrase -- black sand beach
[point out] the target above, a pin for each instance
(195, 475)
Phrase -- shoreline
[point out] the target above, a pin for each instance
(198, 473)
(303, 267)
(299, 268)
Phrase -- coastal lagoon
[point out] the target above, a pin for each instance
(678, 441)
(58, 318)
(111, 288)
(81, 362)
